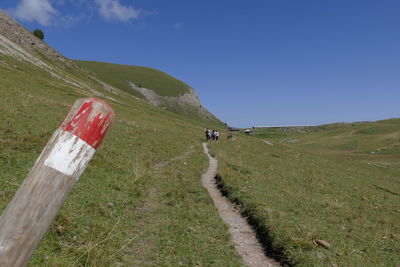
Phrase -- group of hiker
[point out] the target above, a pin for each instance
(211, 135)
(214, 135)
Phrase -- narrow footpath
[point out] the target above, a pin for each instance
(243, 237)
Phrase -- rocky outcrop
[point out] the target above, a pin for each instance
(187, 101)
(11, 49)
(190, 98)
(17, 42)
(21, 36)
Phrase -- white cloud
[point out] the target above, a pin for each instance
(113, 10)
(36, 10)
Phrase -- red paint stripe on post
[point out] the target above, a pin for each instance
(44, 190)
(89, 127)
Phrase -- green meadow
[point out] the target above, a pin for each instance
(119, 76)
(339, 183)
(140, 201)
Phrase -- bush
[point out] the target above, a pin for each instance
(38, 33)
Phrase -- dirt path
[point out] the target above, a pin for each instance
(243, 237)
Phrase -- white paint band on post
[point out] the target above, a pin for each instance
(70, 155)
(36, 203)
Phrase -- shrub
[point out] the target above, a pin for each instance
(38, 33)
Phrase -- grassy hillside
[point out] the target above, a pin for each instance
(119, 76)
(169, 91)
(320, 183)
(140, 201)
(381, 137)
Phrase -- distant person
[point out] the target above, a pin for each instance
(213, 135)
(216, 135)
(208, 134)
(230, 136)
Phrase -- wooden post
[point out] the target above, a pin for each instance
(36, 203)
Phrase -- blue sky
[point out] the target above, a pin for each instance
(258, 62)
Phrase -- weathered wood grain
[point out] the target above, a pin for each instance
(36, 203)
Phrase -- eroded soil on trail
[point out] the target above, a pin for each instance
(243, 237)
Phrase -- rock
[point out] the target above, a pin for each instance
(322, 243)
(18, 34)
(189, 99)
(110, 204)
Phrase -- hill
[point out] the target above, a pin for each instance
(152, 85)
(338, 182)
(381, 137)
(123, 76)
(137, 203)
(155, 86)
(140, 202)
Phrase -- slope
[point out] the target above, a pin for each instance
(380, 137)
(338, 183)
(120, 75)
(140, 201)
(155, 86)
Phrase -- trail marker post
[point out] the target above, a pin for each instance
(37, 201)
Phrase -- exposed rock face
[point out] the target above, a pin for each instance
(18, 42)
(189, 98)
(10, 48)
(186, 101)
(21, 36)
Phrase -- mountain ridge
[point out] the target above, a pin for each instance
(155, 86)
(18, 42)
